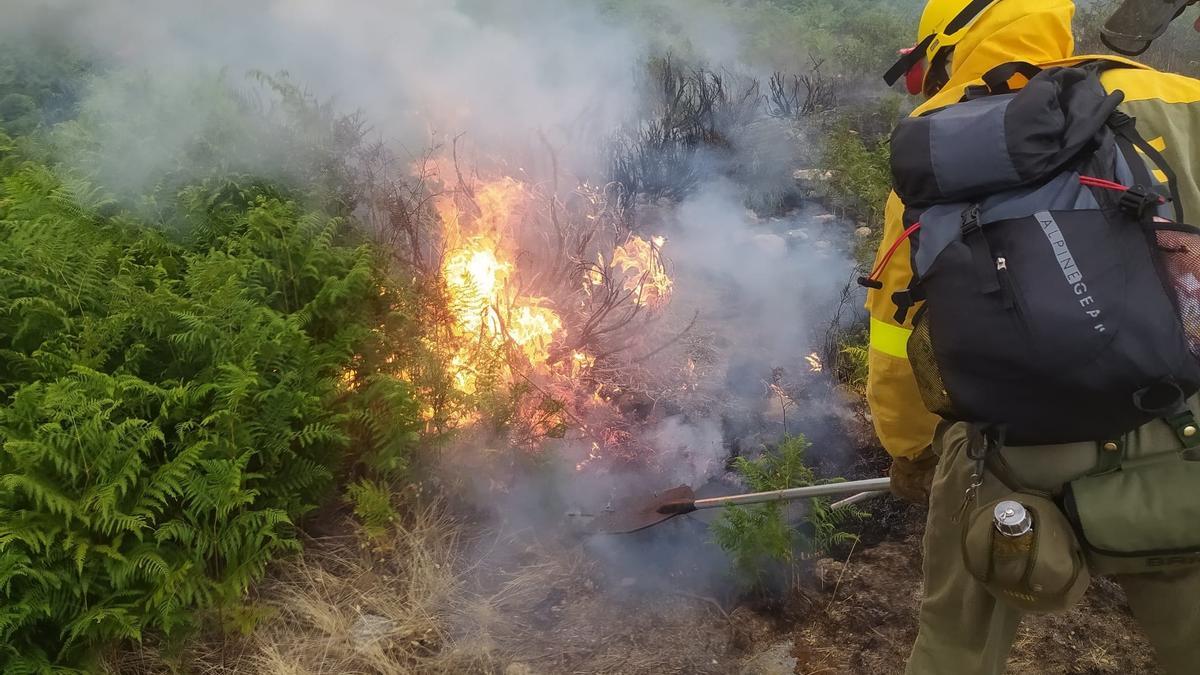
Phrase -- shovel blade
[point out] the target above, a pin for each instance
(650, 511)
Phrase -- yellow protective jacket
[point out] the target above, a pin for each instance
(1167, 108)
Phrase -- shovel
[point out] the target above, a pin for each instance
(677, 501)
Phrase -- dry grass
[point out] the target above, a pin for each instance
(441, 596)
(391, 608)
(364, 611)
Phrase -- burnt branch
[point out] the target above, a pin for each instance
(801, 95)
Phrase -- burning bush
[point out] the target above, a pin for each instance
(540, 300)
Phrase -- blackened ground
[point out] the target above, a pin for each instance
(891, 519)
(676, 611)
(854, 614)
(858, 615)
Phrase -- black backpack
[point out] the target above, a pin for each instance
(1059, 283)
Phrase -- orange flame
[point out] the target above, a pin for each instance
(477, 269)
(533, 328)
(501, 328)
(641, 265)
(474, 277)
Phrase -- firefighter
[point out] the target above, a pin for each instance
(962, 627)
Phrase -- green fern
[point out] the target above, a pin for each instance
(171, 389)
(759, 536)
(852, 365)
(373, 507)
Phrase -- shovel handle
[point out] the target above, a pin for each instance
(828, 490)
(855, 499)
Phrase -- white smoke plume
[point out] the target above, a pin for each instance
(496, 71)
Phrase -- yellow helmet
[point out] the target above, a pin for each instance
(943, 24)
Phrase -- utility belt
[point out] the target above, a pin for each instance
(1122, 506)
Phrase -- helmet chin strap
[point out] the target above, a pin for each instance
(927, 76)
(937, 72)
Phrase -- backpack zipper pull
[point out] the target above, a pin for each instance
(1005, 282)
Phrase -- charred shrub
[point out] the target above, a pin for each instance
(799, 96)
(694, 128)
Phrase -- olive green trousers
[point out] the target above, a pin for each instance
(963, 630)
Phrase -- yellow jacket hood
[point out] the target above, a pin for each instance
(1036, 31)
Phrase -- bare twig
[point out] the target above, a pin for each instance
(838, 585)
(678, 336)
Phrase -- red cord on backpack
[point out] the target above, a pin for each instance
(872, 280)
(1092, 181)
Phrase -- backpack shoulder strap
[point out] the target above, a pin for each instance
(996, 81)
(1128, 138)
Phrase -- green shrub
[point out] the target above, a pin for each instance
(862, 177)
(193, 350)
(857, 153)
(860, 162)
(372, 504)
(168, 411)
(758, 537)
(40, 80)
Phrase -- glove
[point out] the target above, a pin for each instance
(913, 477)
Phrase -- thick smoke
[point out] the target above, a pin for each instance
(775, 278)
(505, 73)
(420, 69)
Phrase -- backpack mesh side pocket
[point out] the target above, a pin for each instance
(926, 370)
(1179, 257)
